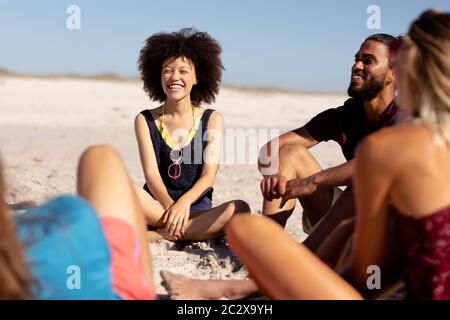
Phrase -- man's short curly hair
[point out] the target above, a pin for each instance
(199, 47)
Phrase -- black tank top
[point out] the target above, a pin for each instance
(192, 161)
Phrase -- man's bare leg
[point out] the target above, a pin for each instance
(296, 162)
(343, 209)
(332, 250)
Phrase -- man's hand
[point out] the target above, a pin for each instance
(296, 188)
(273, 187)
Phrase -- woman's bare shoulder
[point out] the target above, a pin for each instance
(156, 112)
(140, 120)
(398, 142)
(401, 135)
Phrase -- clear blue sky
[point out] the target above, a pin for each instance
(293, 44)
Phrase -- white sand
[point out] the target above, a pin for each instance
(45, 124)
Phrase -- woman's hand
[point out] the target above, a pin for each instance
(296, 188)
(176, 217)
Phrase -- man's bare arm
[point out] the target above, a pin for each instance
(299, 137)
(340, 175)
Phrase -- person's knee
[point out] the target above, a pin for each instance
(294, 159)
(346, 225)
(294, 153)
(101, 152)
(237, 207)
(233, 208)
(240, 206)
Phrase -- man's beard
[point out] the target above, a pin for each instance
(369, 90)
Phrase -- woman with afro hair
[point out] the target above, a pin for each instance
(180, 141)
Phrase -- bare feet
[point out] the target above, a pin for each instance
(183, 288)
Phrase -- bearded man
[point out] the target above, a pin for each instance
(328, 210)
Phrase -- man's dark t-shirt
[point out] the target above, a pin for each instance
(349, 124)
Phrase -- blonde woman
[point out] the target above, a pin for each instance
(403, 167)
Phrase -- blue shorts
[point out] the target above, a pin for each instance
(204, 203)
(66, 250)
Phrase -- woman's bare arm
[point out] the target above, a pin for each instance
(373, 179)
(149, 163)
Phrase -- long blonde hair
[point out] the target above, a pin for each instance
(15, 279)
(427, 71)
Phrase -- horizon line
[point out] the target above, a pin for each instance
(112, 76)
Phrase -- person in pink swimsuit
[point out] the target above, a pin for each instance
(402, 173)
(100, 232)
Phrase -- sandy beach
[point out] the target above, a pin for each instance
(45, 124)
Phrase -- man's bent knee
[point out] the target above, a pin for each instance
(297, 159)
(294, 152)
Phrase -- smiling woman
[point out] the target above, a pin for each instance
(183, 70)
(197, 49)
